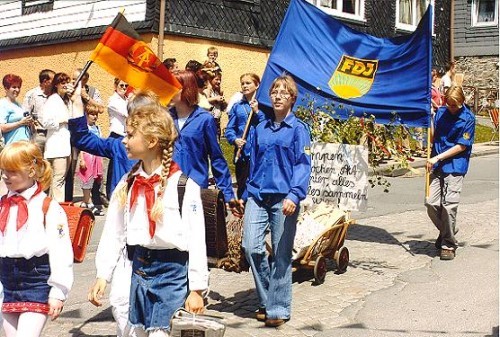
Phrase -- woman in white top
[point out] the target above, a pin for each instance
(117, 109)
(55, 115)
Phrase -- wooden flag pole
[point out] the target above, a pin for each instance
(245, 131)
(427, 172)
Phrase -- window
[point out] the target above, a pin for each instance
(409, 13)
(484, 12)
(34, 6)
(353, 9)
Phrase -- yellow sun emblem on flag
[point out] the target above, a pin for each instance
(466, 136)
(353, 77)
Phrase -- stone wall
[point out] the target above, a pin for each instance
(481, 73)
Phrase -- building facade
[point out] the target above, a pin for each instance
(61, 34)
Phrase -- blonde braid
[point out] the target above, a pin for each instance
(122, 193)
(157, 210)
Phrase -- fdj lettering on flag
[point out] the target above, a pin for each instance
(123, 54)
(357, 72)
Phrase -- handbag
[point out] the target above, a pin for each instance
(186, 324)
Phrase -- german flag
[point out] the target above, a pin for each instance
(123, 54)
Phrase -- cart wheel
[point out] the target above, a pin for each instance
(342, 259)
(320, 270)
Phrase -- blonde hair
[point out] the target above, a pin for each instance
(147, 116)
(288, 82)
(456, 94)
(25, 156)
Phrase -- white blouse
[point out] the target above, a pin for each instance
(118, 113)
(37, 239)
(55, 115)
(172, 232)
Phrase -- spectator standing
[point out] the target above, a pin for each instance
(14, 125)
(117, 109)
(34, 101)
(90, 169)
(212, 55)
(448, 78)
(90, 95)
(55, 115)
(215, 96)
(236, 126)
(36, 257)
(280, 167)
(172, 65)
(453, 136)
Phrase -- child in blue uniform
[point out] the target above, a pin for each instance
(238, 117)
(36, 255)
(453, 136)
(280, 166)
(144, 212)
(197, 145)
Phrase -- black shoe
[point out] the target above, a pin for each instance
(104, 200)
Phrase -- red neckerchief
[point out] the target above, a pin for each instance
(148, 184)
(22, 209)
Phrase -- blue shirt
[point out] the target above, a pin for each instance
(83, 139)
(195, 145)
(280, 160)
(10, 113)
(450, 130)
(238, 117)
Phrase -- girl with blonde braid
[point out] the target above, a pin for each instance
(144, 213)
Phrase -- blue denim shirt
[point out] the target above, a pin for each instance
(280, 160)
(450, 130)
(236, 126)
(196, 144)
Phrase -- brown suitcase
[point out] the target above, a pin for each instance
(80, 222)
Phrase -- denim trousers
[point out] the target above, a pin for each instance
(159, 287)
(273, 276)
(442, 205)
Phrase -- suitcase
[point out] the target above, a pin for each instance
(80, 222)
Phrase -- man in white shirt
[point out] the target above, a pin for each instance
(34, 101)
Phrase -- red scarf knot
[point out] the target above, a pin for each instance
(148, 185)
(22, 211)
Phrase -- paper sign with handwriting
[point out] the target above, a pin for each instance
(339, 175)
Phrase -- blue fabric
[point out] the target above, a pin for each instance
(450, 130)
(311, 46)
(83, 139)
(273, 281)
(196, 144)
(25, 280)
(238, 117)
(280, 161)
(159, 287)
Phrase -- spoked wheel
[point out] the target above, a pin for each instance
(320, 270)
(342, 259)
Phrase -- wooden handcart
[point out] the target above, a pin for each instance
(329, 244)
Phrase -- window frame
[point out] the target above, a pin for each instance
(36, 6)
(411, 27)
(475, 14)
(359, 16)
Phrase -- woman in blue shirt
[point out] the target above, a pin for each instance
(197, 144)
(280, 167)
(238, 117)
(453, 136)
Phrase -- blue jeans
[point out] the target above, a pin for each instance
(273, 277)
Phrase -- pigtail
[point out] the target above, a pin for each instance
(122, 193)
(157, 210)
(44, 173)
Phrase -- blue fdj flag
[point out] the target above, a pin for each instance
(359, 73)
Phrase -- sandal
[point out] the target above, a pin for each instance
(447, 254)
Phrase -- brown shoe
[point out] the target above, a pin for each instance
(447, 254)
(260, 314)
(274, 323)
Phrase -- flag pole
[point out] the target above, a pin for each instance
(245, 131)
(427, 173)
(89, 62)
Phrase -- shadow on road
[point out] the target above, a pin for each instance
(103, 316)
